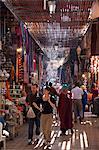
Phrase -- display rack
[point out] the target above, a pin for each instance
(15, 93)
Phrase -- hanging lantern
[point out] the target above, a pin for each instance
(78, 50)
(52, 6)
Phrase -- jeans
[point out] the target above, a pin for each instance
(37, 123)
(31, 122)
(30, 128)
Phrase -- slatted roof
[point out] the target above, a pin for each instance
(63, 27)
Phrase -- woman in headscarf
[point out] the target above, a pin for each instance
(65, 110)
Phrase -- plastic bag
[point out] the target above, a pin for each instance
(30, 113)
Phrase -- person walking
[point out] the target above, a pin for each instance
(65, 110)
(84, 98)
(34, 102)
(53, 91)
(54, 97)
(77, 97)
(37, 99)
(47, 116)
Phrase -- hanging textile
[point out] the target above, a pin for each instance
(19, 36)
(40, 68)
(95, 39)
(63, 75)
(12, 73)
(75, 68)
(30, 54)
(23, 39)
(34, 62)
(26, 76)
(27, 41)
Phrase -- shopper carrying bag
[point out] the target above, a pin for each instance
(30, 113)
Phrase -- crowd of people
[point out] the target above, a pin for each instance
(68, 106)
(64, 103)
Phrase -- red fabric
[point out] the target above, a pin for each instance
(65, 111)
(34, 62)
(53, 91)
(94, 92)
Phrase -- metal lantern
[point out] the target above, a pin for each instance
(78, 50)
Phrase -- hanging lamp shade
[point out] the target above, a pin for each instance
(52, 6)
(78, 50)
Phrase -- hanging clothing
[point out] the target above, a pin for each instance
(75, 69)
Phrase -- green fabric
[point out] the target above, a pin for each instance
(64, 86)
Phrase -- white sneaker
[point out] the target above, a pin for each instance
(29, 142)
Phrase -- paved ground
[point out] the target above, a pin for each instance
(85, 137)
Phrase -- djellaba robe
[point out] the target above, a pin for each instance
(65, 111)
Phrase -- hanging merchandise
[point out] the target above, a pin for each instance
(12, 73)
(19, 68)
(8, 91)
(23, 39)
(19, 36)
(30, 54)
(75, 68)
(95, 38)
(27, 41)
(34, 78)
(34, 62)
(40, 68)
(26, 78)
(95, 68)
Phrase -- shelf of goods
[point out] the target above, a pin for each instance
(14, 117)
(15, 93)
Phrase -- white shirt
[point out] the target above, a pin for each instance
(77, 93)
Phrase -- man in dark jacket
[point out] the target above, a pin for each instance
(33, 100)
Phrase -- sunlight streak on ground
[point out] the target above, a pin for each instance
(68, 147)
(59, 144)
(77, 135)
(81, 141)
(67, 132)
(73, 138)
(42, 143)
(63, 145)
(85, 139)
(52, 133)
(53, 139)
(39, 142)
(59, 132)
(56, 124)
